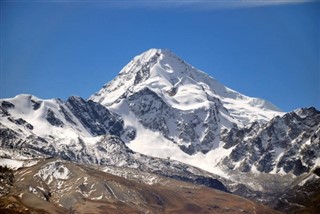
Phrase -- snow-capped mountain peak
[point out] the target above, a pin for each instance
(182, 111)
(183, 87)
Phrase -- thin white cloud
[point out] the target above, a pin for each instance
(174, 4)
(194, 4)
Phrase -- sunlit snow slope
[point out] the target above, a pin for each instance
(183, 87)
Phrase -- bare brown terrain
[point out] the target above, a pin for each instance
(56, 186)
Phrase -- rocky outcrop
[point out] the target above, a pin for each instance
(289, 143)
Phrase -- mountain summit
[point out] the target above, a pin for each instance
(183, 87)
(175, 110)
(180, 109)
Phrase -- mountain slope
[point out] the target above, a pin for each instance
(80, 131)
(285, 144)
(57, 186)
(65, 121)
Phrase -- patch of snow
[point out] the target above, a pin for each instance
(97, 198)
(12, 164)
(254, 170)
(146, 141)
(41, 188)
(317, 162)
(311, 178)
(59, 184)
(54, 170)
(85, 182)
(33, 190)
(13, 154)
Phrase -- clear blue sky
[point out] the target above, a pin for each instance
(54, 49)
